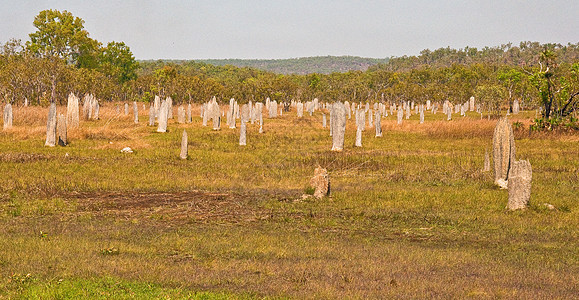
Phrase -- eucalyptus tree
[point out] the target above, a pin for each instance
(557, 85)
(62, 35)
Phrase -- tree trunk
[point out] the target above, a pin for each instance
(563, 113)
(53, 92)
(549, 103)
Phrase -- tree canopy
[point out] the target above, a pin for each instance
(60, 34)
(117, 61)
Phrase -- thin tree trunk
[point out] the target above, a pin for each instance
(568, 102)
(53, 92)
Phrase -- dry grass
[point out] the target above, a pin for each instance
(411, 214)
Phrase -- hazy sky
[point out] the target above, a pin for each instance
(285, 29)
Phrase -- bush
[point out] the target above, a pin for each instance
(554, 124)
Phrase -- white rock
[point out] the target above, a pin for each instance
(127, 150)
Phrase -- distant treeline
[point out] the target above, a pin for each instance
(526, 54)
(302, 66)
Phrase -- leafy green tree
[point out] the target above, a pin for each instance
(510, 78)
(490, 95)
(164, 79)
(61, 37)
(60, 34)
(558, 86)
(117, 62)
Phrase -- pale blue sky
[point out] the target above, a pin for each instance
(285, 29)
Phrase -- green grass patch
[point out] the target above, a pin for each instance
(27, 287)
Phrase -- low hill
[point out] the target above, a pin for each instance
(303, 65)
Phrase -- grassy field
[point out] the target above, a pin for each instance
(411, 214)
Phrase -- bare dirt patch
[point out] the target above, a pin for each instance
(174, 208)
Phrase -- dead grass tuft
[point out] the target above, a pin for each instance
(104, 134)
(465, 128)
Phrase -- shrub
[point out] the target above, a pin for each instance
(552, 124)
